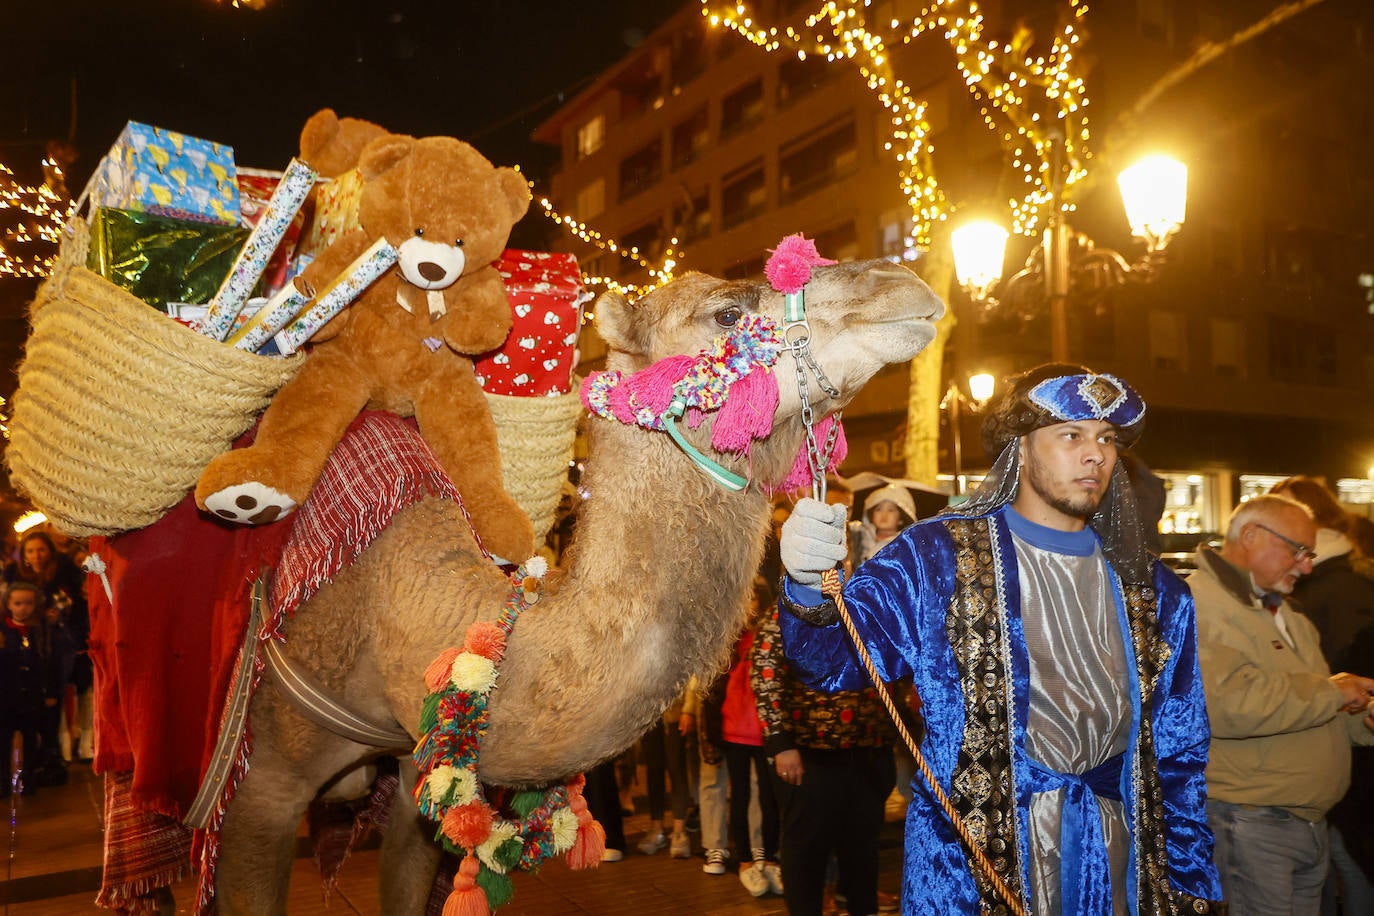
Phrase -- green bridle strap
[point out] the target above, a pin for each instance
(727, 479)
(794, 311)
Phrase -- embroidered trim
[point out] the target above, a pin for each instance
(982, 786)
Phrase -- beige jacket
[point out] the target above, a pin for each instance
(1279, 738)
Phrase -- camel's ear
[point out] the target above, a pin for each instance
(615, 321)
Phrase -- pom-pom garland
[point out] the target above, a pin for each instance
(495, 829)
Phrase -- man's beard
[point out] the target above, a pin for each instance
(1082, 507)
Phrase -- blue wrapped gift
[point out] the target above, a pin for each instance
(153, 170)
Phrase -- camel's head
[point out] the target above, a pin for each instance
(861, 316)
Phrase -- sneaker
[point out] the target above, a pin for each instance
(680, 847)
(753, 879)
(653, 843)
(612, 855)
(773, 873)
(715, 862)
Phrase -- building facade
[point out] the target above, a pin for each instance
(1254, 346)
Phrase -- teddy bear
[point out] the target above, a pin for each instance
(407, 343)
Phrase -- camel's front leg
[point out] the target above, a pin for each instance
(409, 856)
(292, 759)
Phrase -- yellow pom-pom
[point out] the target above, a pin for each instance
(438, 782)
(472, 673)
(464, 786)
(564, 825)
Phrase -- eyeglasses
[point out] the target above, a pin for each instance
(1301, 551)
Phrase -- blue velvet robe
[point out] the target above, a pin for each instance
(949, 580)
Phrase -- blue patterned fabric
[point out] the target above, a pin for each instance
(902, 603)
(1089, 397)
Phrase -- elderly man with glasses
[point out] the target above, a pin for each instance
(1282, 724)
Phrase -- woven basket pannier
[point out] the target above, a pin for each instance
(536, 439)
(119, 408)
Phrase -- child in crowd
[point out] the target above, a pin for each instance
(29, 677)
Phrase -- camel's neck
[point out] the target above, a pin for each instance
(655, 590)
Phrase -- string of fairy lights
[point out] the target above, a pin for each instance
(28, 243)
(1035, 104)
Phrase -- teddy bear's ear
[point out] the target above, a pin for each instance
(383, 154)
(615, 322)
(517, 191)
(332, 145)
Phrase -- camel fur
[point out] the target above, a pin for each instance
(653, 589)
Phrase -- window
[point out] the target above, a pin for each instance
(1301, 351)
(690, 137)
(840, 243)
(1228, 347)
(741, 108)
(590, 136)
(744, 270)
(692, 218)
(590, 201)
(895, 241)
(1168, 343)
(648, 239)
(688, 59)
(742, 194)
(799, 76)
(641, 169)
(812, 163)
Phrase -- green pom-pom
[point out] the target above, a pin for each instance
(498, 888)
(522, 803)
(507, 855)
(429, 713)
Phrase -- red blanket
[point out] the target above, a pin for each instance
(164, 653)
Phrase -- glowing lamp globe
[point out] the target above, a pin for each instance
(1155, 192)
(979, 249)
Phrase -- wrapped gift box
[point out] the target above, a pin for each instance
(546, 296)
(255, 190)
(160, 259)
(335, 212)
(166, 173)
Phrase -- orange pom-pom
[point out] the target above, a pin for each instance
(467, 898)
(486, 640)
(436, 675)
(467, 825)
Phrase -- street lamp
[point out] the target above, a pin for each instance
(980, 386)
(1154, 192)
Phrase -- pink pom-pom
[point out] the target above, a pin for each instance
(485, 639)
(467, 825)
(436, 675)
(747, 413)
(789, 269)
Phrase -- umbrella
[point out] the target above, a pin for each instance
(928, 500)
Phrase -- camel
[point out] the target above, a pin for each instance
(653, 588)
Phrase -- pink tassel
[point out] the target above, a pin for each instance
(747, 413)
(619, 402)
(653, 387)
(800, 475)
(467, 898)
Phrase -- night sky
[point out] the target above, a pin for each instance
(486, 72)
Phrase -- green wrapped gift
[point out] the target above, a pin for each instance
(160, 259)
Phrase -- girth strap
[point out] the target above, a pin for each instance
(323, 710)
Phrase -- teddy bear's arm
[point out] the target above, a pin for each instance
(453, 417)
(479, 315)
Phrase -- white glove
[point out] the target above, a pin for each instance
(813, 540)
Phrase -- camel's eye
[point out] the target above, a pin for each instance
(729, 316)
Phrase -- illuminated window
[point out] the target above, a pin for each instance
(591, 200)
(590, 136)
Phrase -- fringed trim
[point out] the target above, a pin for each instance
(133, 896)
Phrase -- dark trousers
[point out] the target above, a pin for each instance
(603, 801)
(838, 808)
(738, 759)
(665, 755)
(27, 723)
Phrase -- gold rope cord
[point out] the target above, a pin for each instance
(830, 585)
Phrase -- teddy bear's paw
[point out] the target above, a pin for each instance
(249, 504)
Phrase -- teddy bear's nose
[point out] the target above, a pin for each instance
(431, 271)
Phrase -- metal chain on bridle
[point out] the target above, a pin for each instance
(797, 338)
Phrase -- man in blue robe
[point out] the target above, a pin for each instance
(1056, 663)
